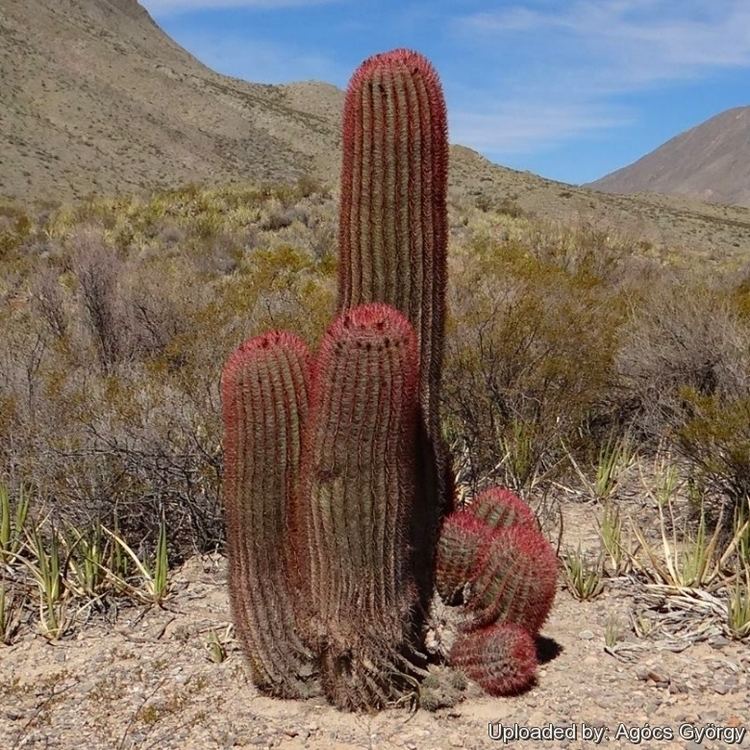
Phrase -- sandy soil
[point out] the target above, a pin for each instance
(148, 681)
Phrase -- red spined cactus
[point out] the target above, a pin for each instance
(501, 658)
(462, 537)
(515, 580)
(358, 488)
(333, 508)
(264, 401)
(393, 227)
(499, 507)
(393, 233)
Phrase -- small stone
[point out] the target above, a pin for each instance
(721, 688)
(13, 714)
(649, 675)
(586, 635)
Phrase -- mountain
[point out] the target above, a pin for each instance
(710, 162)
(96, 98)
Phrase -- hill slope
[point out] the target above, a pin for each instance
(710, 162)
(97, 98)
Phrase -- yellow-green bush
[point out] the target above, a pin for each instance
(530, 358)
(715, 438)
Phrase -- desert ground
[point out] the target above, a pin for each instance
(156, 677)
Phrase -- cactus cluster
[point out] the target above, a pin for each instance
(506, 572)
(337, 481)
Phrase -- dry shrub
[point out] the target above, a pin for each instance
(530, 359)
(112, 340)
(97, 268)
(48, 300)
(715, 438)
(680, 334)
(110, 359)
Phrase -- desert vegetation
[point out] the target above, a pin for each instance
(574, 366)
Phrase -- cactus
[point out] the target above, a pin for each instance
(264, 401)
(393, 231)
(515, 579)
(462, 537)
(359, 487)
(499, 507)
(501, 658)
(336, 475)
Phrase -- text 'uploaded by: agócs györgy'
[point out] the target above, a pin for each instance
(635, 734)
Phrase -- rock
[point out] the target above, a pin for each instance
(678, 686)
(722, 688)
(649, 675)
(586, 635)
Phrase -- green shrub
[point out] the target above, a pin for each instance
(715, 438)
(530, 359)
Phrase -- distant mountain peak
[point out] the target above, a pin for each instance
(710, 162)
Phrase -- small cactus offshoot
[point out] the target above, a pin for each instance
(499, 507)
(515, 580)
(462, 537)
(501, 658)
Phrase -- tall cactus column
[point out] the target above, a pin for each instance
(264, 402)
(358, 486)
(393, 231)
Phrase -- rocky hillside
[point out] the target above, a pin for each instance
(710, 162)
(98, 99)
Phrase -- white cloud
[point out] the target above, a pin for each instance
(522, 127)
(171, 7)
(628, 44)
(558, 67)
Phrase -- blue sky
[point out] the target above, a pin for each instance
(569, 89)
